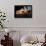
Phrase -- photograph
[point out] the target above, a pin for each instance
(23, 11)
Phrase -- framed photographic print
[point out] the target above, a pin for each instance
(23, 11)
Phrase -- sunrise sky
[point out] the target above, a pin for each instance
(24, 1)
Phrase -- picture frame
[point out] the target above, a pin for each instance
(23, 11)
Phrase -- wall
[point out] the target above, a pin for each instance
(25, 25)
(39, 13)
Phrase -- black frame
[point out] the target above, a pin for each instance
(23, 16)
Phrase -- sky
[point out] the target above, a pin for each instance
(23, 0)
